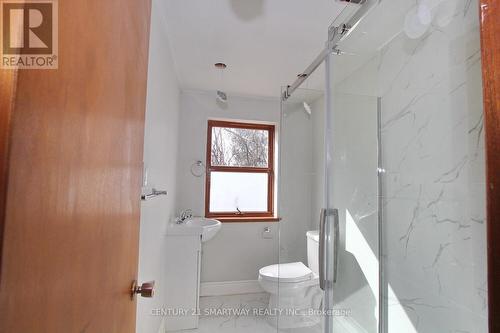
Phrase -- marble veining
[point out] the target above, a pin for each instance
(433, 188)
(433, 149)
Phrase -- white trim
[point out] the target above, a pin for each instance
(249, 122)
(230, 288)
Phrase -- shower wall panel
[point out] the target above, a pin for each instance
(433, 187)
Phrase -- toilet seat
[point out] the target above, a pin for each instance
(288, 273)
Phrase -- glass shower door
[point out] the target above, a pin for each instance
(351, 215)
(329, 194)
(403, 150)
(420, 100)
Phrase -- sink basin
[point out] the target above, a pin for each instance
(209, 227)
(195, 226)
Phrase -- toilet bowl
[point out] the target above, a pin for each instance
(295, 296)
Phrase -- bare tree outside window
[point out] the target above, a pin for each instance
(240, 147)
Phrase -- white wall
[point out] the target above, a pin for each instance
(238, 250)
(295, 181)
(302, 172)
(160, 152)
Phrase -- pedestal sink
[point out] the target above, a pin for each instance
(205, 228)
(183, 267)
(209, 227)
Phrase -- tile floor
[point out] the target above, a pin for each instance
(238, 314)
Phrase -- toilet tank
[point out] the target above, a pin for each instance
(313, 250)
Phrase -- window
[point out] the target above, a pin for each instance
(240, 171)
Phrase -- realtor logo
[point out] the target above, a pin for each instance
(29, 34)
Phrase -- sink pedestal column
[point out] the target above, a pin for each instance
(182, 282)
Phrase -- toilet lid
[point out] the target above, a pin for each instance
(291, 272)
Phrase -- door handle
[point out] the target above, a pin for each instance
(321, 256)
(147, 289)
(322, 245)
(336, 234)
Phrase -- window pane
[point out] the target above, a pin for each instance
(240, 147)
(242, 190)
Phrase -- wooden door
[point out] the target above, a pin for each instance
(70, 184)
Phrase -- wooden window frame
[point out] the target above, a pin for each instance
(243, 216)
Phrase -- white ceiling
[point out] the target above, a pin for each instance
(265, 43)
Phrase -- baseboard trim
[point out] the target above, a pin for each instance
(230, 288)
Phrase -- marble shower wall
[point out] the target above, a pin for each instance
(433, 191)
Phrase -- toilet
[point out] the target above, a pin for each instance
(295, 296)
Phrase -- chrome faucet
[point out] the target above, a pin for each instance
(185, 214)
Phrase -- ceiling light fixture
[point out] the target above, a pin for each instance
(221, 95)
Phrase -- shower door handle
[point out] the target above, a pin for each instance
(322, 245)
(323, 217)
(336, 234)
(321, 256)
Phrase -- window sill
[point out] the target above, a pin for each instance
(246, 219)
